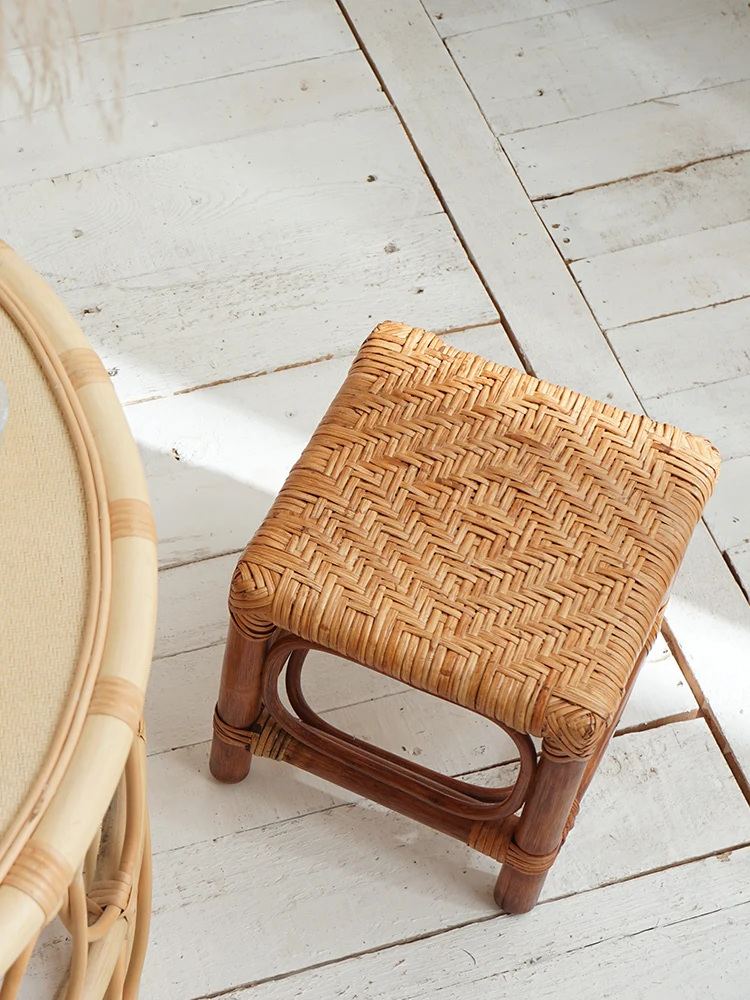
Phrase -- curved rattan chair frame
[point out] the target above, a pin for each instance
(50, 861)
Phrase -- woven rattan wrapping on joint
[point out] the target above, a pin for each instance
(119, 698)
(496, 841)
(43, 874)
(487, 537)
(264, 738)
(112, 892)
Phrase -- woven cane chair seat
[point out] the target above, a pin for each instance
(490, 538)
(44, 554)
(77, 618)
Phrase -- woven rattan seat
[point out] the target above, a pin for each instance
(495, 540)
(488, 537)
(42, 501)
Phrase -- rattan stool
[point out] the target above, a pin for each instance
(505, 544)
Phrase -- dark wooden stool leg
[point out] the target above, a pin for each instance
(239, 702)
(540, 829)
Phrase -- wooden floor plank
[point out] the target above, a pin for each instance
(718, 411)
(739, 558)
(250, 238)
(646, 209)
(89, 229)
(508, 242)
(673, 275)
(675, 933)
(193, 605)
(92, 16)
(686, 350)
(281, 897)
(242, 104)
(178, 50)
(614, 145)
(571, 64)
(325, 292)
(708, 613)
(728, 512)
(454, 17)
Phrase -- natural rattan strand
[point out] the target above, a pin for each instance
(119, 698)
(42, 873)
(83, 366)
(498, 541)
(131, 519)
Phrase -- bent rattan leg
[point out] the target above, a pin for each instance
(540, 830)
(239, 702)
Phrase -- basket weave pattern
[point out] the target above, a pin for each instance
(487, 537)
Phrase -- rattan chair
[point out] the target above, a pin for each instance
(78, 611)
(499, 542)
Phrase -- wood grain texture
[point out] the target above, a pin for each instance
(91, 16)
(686, 350)
(259, 240)
(206, 936)
(186, 622)
(219, 201)
(610, 939)
(720, 408)
(325, 297)
(571, 64)
(192, 114)
(673, 275)
(615, 145)
(654, 207)
(453, 17)
(490, 208)
(177, 50)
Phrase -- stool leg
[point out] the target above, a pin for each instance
(540, 829)
(239, 702)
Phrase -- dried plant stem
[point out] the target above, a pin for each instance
(43, 58)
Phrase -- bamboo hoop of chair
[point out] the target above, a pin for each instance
(77, 845)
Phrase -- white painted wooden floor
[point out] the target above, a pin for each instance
(563, 184)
